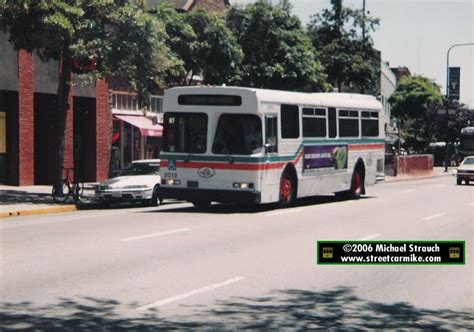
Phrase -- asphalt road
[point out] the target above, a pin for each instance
(230, 268)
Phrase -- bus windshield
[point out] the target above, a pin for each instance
(238, 134)
(185, 132)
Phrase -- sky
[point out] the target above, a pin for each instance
(415, 34)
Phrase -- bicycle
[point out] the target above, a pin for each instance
(68, 186)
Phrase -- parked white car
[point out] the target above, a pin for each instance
(137, 183)
(465, 171)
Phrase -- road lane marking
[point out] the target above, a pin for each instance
(373, 236)
(437, 215)
(191, 293)
(408, 191)
(278, 213)
(155, 234)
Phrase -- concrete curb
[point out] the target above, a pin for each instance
(46, 210)
(414, 178)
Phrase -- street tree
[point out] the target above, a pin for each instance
(181, 39)
(216, 53)
(202, 44)
(342, 35)
(411, 101)
(277, 52)
(95, 38)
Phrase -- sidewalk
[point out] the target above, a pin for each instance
(437, 172)
(28, 200)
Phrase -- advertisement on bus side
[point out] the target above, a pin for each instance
(325, 157)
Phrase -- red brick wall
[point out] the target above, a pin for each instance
(26, 147)
(103, 130)
(415, 165)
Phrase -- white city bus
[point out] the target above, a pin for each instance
(244, 145)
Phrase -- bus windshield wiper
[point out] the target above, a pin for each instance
(231, 161)
(188, 157)
(226, 150)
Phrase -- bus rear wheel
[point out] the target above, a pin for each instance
(356, 185)
(287, 190)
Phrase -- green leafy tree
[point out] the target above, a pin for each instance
(217, 54)
(277, 52)
(202, 43)
(100, 37)
(182, 42)
(411, 102)
(346, 52)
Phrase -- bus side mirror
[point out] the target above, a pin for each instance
(269, 147)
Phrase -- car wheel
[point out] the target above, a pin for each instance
(458, 181)
(155, 200)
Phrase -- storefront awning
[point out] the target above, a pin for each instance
(146, 126)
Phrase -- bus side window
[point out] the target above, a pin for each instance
(332, 122)
(271, 133)
(290, 121)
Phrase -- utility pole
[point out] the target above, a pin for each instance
(363, 20)
(446, 152)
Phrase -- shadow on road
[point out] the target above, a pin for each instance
(233, 208)
(337, 309)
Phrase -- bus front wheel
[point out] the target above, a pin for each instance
(287, 190)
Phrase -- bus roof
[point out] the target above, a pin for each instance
(333, 99)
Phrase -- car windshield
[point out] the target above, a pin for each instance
(142, 169)
(238, 134)
(468, 161)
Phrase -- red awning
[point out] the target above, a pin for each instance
(146, 126)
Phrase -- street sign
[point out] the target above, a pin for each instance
(454, 81)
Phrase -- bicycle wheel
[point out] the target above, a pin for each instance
(78, 191)
(61, 194)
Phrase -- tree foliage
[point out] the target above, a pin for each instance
(203, 45)
(414, 95)
(277, 52)
(217, 53)
(346, 53)
(416, 99)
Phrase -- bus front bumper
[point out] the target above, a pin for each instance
(221, 196)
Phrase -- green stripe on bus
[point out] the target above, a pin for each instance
(195, 157)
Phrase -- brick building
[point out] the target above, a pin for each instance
(27, 103)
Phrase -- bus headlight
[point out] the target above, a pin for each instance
(242, 185)
(173, 182)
